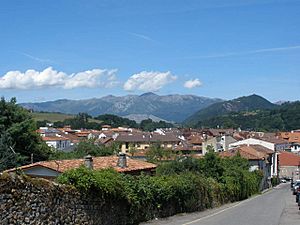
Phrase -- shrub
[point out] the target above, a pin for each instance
(179, 186)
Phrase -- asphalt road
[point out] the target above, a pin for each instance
(275, 207)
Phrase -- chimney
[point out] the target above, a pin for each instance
(88, 161)
(122, 161)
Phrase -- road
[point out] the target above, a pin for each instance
(275, 207)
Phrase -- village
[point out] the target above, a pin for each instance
(276, 154)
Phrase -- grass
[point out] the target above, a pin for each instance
(54, 117)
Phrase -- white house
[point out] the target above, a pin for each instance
(57, 142)
(274, 144)
(295, 148)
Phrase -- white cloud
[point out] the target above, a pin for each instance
(148, 81)
(192, 83)
(50, 77)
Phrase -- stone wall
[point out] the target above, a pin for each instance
(26, 200)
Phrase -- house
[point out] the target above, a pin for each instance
(295, 148)
(289, 165)
(220, 132)
(142, 141)
(83, 134)
(274, 143)
(58, 138)
(259, 157)
(106, 127)
(294, 139)
(219, 143)
(187, 148)
(57, 142)
(47, 131)
(121, 163)
(104, 141)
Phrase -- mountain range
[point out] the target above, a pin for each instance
(167, 107)
(245, 103)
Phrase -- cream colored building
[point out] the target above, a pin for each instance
(142, 141)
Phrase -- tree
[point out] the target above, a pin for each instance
(132, 149)
(84, 148)
(8, 157)
(18, 129)
(155, 153)
(150, 125)
(116, 121)
(81, 120)
(212, 164)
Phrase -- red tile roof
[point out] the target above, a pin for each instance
(291, 137)
(195, 139)
(288, 159)
(98, 163)
(251, 152)
(54, 138)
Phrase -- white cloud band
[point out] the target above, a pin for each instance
(148, 81)
(49, 77)
(192, 83)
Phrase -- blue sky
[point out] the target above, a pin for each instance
(84, 49)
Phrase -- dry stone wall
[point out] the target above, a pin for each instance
(26, 200)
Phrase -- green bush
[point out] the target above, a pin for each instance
(180, 186)
(275, 181)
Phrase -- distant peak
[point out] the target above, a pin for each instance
(253, 96)
(148, 94)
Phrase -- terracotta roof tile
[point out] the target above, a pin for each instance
(54, 138)
(251, 152)
(288, 159)
(98, 162)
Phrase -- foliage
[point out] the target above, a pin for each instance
(18, 129)
(150, 125)
(275, 181)
(81, 120)
(8, 157)
(242, 104)
(50, 116)
(42, 123)
(179, 186)
(155, 153)
(88, 147)
(105, 182)
(132, 149)
(116, 121)
(178, 166)
(212, 165)
(283, 118)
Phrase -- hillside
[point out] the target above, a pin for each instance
(286, 117)
(168, 107)
(245, 103)
(140, 117)
(52, 117)
(55, 117)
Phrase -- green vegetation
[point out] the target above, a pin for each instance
(81, 120)
(150, 125)
(284, 118)
(116, 121)
(85, 121)
(246, 103)
(50, 116)
(84, 148)
(184, 185)
(18, 139)
(156, 153)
